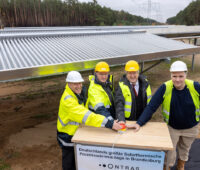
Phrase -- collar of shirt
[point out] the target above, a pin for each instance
(136, 87)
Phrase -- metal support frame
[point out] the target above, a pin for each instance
(151, 66)
(193, 56)
(76, 28)
(195, 43)
(65, 34)
(142, 67)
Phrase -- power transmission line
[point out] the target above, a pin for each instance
(150, 10)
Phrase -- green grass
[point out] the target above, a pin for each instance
(6, 98)
(4, 165)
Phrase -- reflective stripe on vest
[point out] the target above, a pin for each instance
(168, 95)
(128, 103)
(98, 105)
(67, 97)
(166, 115)
(69, 123)
(104, 122)
(65, 143)
(86, 116)
(73, 123)
(148, 92)
(128, 99)
(110, 118)
(61, 122)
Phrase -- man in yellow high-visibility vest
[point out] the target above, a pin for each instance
(100, 92)
(181, 111)
(132, 94)
(72, 113)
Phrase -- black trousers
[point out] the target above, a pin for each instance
(68, 159)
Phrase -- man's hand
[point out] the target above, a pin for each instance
(116, 125)
(121, 122)
(134, 126)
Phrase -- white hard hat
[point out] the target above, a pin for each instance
(74, 77)
(178, 66)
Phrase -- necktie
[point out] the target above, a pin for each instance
(134, 90)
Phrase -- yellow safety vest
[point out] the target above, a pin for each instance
(128, 98)
(168, 95)
(71, 114)
(97, 96)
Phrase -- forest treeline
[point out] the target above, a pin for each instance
(15, 13)
(189, 16)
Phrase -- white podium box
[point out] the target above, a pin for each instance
(105, 149)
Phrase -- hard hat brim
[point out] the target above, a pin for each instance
(132, 70)
(75, 81)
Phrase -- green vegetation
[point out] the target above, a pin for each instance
(189, 16)
(15, 13)
(3, 165)
(6, 98)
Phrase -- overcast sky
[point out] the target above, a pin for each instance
(160, 9)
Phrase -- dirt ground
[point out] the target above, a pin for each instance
(28, 113)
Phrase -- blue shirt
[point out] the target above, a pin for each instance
(182, 109)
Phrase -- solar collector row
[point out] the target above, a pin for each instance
(38, 50)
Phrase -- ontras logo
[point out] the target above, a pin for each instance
(117, 167)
